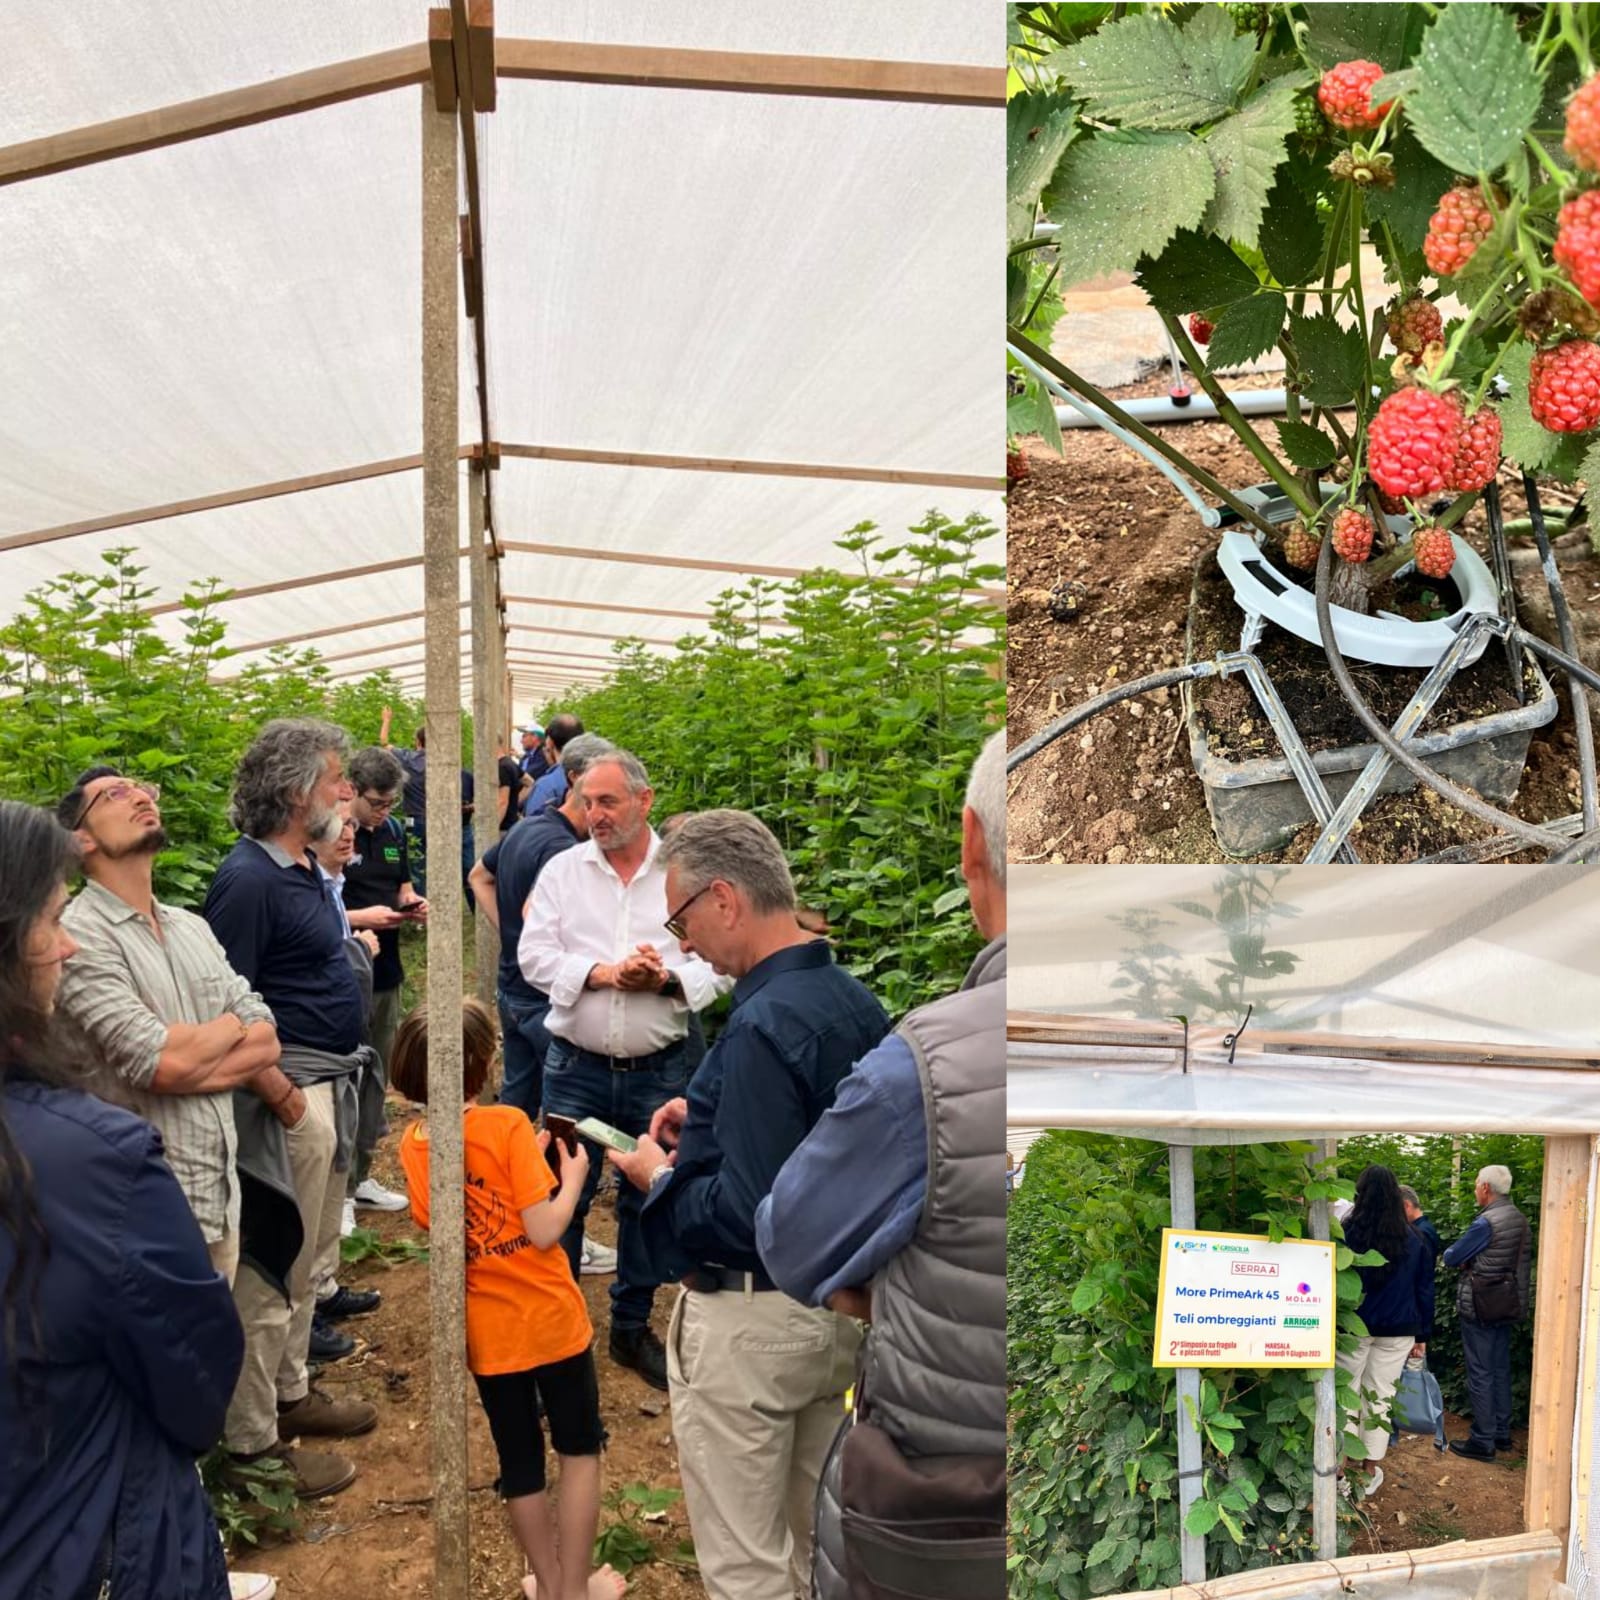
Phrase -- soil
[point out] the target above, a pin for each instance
(1428, 1498)
(375, 1540)
(1103, 525)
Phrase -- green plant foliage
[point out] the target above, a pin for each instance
(626, 1542)
(250, 1499)
(367, 1245)
(1093, 1505)
(850, 731)
(86, 678)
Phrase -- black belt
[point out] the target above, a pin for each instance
(650, 1063)
(708, 1280)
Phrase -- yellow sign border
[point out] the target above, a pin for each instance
(1242, 1366)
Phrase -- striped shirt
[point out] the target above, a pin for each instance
(122, 991)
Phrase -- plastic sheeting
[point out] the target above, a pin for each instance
(693, 273)
(1463, 954)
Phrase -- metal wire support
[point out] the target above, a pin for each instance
(1365, 788)
(1500, 565)
(1574, 668)
(1542, 838)
(1586, 849)
(1580, 700)
(1232, 1039)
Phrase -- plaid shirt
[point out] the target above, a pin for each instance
(122, 991)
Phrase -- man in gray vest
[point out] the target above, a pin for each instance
(1491, 1295)
(893, 1210)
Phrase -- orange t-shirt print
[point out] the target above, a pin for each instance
(523, 1307)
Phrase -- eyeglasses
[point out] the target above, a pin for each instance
(674, 923)
(380, 802)
(119, 791)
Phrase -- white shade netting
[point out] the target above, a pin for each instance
(745, 280)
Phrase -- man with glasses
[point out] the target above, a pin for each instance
(379, 896)
(595, 939)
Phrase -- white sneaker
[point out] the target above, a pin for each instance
(597, 1258)
(347, 1219)
(369, 1192)
(251, 1586)
(1374, 1484)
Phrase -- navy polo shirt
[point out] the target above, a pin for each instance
(373, 877)
(799, 1024)
(516, 862)
(273, 917)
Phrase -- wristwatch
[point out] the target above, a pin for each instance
(659, 1173)
(672, 989)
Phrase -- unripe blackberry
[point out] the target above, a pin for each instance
(1414, 324)
(1345, 95)
(1583, 126)
(1200, 329)
(1412, 442)
(1352, 535)
(1477, 457)
(1249, 17)
(1456, 229)
(1300, 547)
(1016, 467)
(1578, 243)
(1309, 122)
(1564, 387)
(1434, 552)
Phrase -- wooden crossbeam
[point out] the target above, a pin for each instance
(340, 628)
(215, 113)
(770, 469)
(742, 72)
(604, 605)
(284, 585)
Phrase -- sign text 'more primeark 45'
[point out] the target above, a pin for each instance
(1236, 1300)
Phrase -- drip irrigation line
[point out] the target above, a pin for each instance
(1570, 665)
(1471, 804)
(1585, 849)
(1580, 700)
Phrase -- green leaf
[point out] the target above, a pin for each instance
(1478, 92)
(1039, 127)
(1419, 181)
(1291, 233)
(1522, 439)
(1088, 1295)
(1119, 197)
(1033, 411)
(1102, 1551)
(1333, 359)
(1245, 150)
(1277, 1500)
(1247, 329)
(950, 899)
(1143, 72)
(1235, 1532)
(1202, 1517)
(1221, 1439)
(1196, 272)
(1386, 34)
(1589, 470)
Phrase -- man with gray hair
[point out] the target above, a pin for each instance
(893, 1210)
(1419, 1219)
(271, 912)
(595, 939)
(1491, 1295)
(756, 1378)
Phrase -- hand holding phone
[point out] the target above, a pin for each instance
(604, 1133)
(562, 1129)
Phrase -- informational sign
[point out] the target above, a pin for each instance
(1238, 1300)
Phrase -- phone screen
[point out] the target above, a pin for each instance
(562, 1129)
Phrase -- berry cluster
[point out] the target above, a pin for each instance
(1352, 535)
(1477, 456)
(1433, 551)
(1456, 229)
(1412, 442)
(1345, 95)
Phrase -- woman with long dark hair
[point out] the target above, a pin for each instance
(1396, 1306)
(119, 1344)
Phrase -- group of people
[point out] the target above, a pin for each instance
(189, 1105)
(1492, 1257)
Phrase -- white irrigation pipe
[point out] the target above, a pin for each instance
(1162, 408)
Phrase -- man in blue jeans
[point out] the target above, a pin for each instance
(621, 990)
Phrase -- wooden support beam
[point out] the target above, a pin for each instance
(540, 629)
(211, 502)
(383, 649)
(441, 59)
(604, 605)
(480, 53)
(759, 469)
(284, 585)
(1557, 1348)
(339, 628)
(741, 72)
(215, 113)
(442, 585)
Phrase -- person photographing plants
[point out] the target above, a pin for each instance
(528, 1330)
(1396, 1306)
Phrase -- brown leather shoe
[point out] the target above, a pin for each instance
(317, 1473)
(320, 1413)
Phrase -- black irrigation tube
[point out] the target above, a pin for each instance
(1191, 673)
(1586, 675)
(1580, 701)
(1471, 804)
(1580, 850)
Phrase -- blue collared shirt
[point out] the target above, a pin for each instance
(851, 1196)
(1471, 1243)
(799, 1023)
(550, 790)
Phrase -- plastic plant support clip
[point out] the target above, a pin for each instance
(1384, 639)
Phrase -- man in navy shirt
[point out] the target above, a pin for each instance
(551, 789)
(272, 913)
(535, 763)
(502, 882)
(756, 1378)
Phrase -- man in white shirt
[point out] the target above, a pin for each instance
(621, 991)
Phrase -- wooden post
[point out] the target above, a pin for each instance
(1558, 1315)
(1325, 1441)
(442, 586)
(486, 730)
(1180, 1171)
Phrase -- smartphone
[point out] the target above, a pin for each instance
(604, 1133)
(410, 909)
(562, 1130)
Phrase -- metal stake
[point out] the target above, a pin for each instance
(1180, 1169)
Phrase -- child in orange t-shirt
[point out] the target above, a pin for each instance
(528, 1330)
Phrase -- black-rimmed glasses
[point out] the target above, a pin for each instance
(674, 923)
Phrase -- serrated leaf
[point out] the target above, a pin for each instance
(1087, 1295)
(1419, 181)
(1196, 272)
(1033, 411)
(1039, 127)
(1333, 359)
(1277, 1500)
(1247, 329)
(1145, 72)
(1589, 468)
(1102, 1550)
(1291, 233)
(1522, 439)
(1202, 1517)
(1235, 1532)
(1245, 150)
(1393, 86)
(1120, 197)
(1386, 34)
(1478, 93)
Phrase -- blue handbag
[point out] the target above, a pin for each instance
(1418, 1407)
